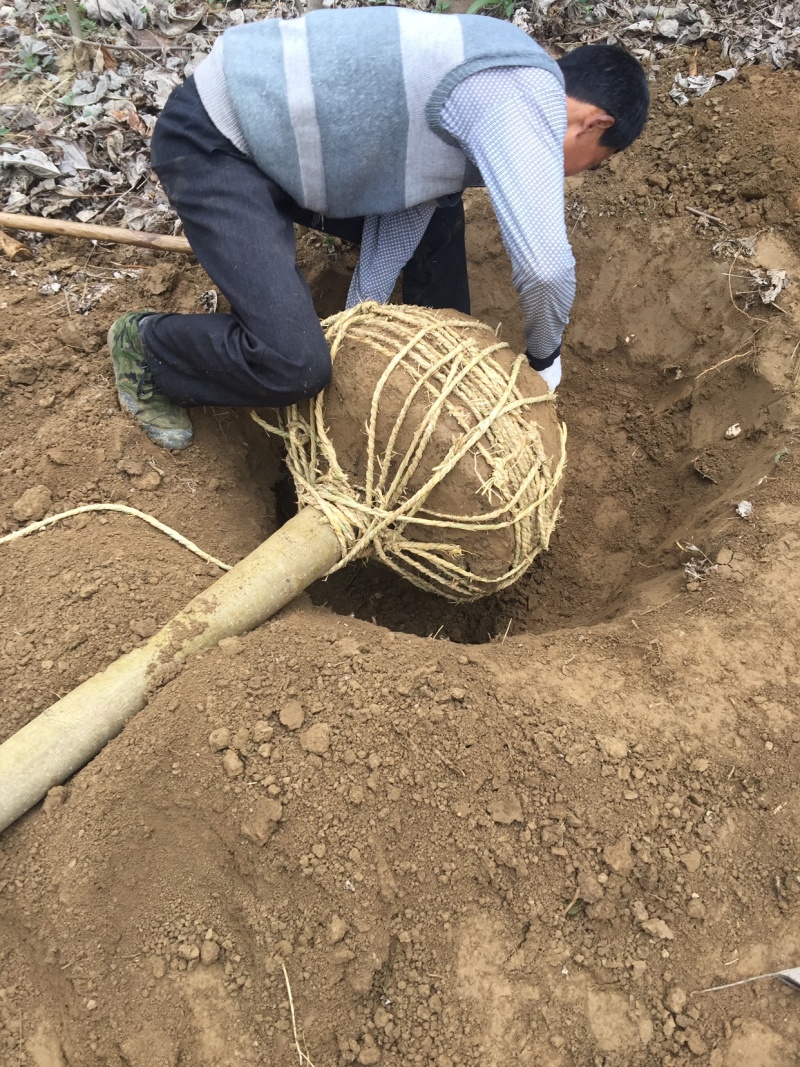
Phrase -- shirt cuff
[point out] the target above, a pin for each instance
(544, 363)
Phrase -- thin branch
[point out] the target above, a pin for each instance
(705, 215)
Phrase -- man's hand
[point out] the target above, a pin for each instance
(549, 369)
(552, 374)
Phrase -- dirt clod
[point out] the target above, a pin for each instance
(232, 764)
(292, 715)
(33, 504)
(219, 739)
(316, 738)
(262, 822)
(506, 808)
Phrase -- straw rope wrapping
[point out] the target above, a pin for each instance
(456, 378)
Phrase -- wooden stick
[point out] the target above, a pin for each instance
(12, 249)
(85, 230)
(65, 736)
(705, 215)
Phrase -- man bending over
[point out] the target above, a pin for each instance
(367, 124)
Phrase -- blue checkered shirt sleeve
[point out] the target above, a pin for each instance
(511, 123)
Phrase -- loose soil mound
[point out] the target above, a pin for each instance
(528, 844)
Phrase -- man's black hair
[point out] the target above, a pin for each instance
(610, 78)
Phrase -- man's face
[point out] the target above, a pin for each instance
(586, 124)
(580, 157)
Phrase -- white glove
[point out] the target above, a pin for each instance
(552, 374)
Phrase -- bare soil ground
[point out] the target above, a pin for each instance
(522, 831)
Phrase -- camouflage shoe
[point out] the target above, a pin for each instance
(164, 422)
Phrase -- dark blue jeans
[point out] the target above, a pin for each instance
(270, 350)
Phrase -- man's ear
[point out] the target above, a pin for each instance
(600, 120)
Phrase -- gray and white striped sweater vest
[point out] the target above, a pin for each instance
(342, 108)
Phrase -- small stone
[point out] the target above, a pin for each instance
(336, 929)
(91, 1005)
(658, 928)
(209, 953)
(33, 504)
(261, 824)
(387, 886)
(87, 591)
(187, 951)
(696, 909)
(697, 1045)
(458, 695)
(232, 764)
(370, 1055)
(75, 335)
(619, 856)
(265, 751)
(699, 766)
(58, 457)
(319, 850)
(381, 1017)
(219, 739)
(159, 968)
(724, 556)
(660, 181)
(147, 482)
(341, 955)
(134, 468)
(589, 889)
(143, 628)
(262, 731)
(693, 587)
(241, 739)
(506, 808)
(638, 968)
(692, 860)
(754, 190)
(639, 911)
(612, 747)
(54, 799)
(159, 279)
(292, 715)
(316, 739)
(676, 1000)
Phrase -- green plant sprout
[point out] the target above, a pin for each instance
(55, 17)
(506, 6)
(33, 59)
